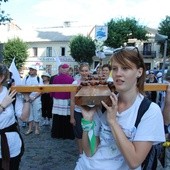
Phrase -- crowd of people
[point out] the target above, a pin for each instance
(106, 135)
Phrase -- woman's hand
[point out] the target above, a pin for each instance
(88, 112)
(111, 110)
(72, 121)
(26, 95)
(9, 98)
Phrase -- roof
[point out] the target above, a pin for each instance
(46, 34)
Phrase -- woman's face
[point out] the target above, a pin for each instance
(125, 78)
(45, 80)
(84, 72)
(105, 72)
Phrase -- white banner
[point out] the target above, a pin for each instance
(15, 74)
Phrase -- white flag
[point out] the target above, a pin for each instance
(15, 74)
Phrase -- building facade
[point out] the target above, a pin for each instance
(49, 47)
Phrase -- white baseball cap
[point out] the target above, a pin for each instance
(45, 74)
(33, 67)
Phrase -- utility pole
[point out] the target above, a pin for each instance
(163, 39)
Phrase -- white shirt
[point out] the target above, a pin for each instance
(7, 118)
(32, 81)
(108, 155)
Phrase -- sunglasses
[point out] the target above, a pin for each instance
(128, 48)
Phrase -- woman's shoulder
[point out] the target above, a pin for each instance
(154, 112)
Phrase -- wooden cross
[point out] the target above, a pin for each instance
(85, 95)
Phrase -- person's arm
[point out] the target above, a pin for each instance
(72, 120)
(26, 107)
(133, 152)
(88, 114)
(32, 98)
(166, 109)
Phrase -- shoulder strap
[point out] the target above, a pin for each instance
(26, 78)
(142, 109)
(38, 79)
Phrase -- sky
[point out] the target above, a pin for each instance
(53, 13)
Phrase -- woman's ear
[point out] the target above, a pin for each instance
(139, 73)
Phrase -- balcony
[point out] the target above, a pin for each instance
(148, 54)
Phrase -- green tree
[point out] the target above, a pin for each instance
(15, 48)
(120, 30)
(164, 29)
(4, 18)
(82, 49)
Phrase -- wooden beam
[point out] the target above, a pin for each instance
(74, 88)
(46, 88)
(155, 87)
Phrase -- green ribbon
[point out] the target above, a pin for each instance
(88, 126)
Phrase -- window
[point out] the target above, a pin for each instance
(35, 51)
(130, 44)
(49, 51)
(63, 51)
(147, 48)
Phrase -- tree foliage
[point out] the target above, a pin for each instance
(82, 49)
(164, 29)
(15, 48)
(4, 18)
(120, 30)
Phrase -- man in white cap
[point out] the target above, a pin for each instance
(35, 100)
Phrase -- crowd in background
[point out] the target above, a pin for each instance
(58, 109)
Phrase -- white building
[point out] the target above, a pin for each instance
(49, 47)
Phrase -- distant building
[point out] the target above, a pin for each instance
(49, 47)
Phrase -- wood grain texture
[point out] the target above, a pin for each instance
(155, 87)
(92, 95)
(73, 88)
(46, 88)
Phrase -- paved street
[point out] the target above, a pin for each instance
(44, 153)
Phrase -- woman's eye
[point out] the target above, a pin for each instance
(125, 68)
(114, 68)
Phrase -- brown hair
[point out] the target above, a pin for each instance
(84, 65)
(4, 72)
(128, 55)
(107, 65)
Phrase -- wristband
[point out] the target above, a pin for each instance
(3, 108)
(88, 126)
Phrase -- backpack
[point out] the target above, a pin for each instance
(150, 162)
(38, 79)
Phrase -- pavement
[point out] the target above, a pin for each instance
(45, 153)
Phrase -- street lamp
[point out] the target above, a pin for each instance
(162, 39)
